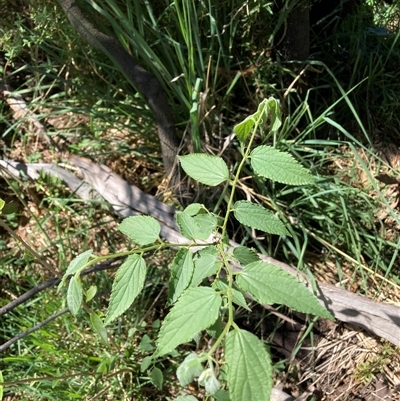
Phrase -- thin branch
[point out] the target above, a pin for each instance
(110, 264)
(8, 344)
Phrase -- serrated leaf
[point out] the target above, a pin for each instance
(249, 367)
(76, 265)
(195, 310)
(181, 274)
(279, 166)
(245, 255)
(204, 266)
(186, 225)
(258, 217)
(206, 224)
(143, 230)
(207, 169)
(98, 327)
(74, 295)
(157, 378)
(237, 297)
(190, 368)
(270, 284)
(128, 283)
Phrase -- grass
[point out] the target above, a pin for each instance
(347, 223)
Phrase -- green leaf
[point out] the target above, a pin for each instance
(195, 310)
(181, 274)
(1, 381)
(197, 227)
(190, 368)
(194, 209)
(76, 265)
(216, 328)
(245, 255)
(222, 395)
(206, 224)
(157, 378)
(128, 283)
(274, 114)
(204, 266)
(207, 169)
(279, 166)
(143, 230)
(147, 361)
(209, 381)
(90, 293)
(146, 344)
(243, 129)
(98, 327)
(2, 203)
(237, 296)
(74, 295)
(249, 367)
(187, 225)
(270, 284)
(185, 398)
(258, 217)
(212, 384)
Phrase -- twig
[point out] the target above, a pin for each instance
(8, 344)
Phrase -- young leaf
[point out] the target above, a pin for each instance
(157, 378)
(127, 285)
(274, 113)
(249, 367)
(209, 381)
(270, 284)
(90, 293)
(207, 169)
(193, 209)
(245, 255)
(195, 310)
(98, 327)
(204, 266)
(190, 368)
(143, 230)
(76, 265)
(243, 129)
(74, 295)
(181, 273)
(258, 217)
(212, 384)
(144, 365)
(279, 166)
(237, 296)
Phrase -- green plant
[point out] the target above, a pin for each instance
(246, 365)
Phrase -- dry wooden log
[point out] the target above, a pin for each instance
(378, 318)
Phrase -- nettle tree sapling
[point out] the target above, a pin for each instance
(205, 284)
